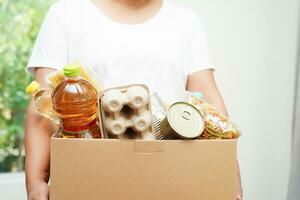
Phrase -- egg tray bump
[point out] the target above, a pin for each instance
(126, 112)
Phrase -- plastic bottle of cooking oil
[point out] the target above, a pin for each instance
(76, 102)
(42, 101)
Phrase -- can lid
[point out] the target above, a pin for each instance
(72, 70)
(32, 87)
(185, 120)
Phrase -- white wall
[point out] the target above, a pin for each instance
(294, 191)
(12, 186)
(253, 43)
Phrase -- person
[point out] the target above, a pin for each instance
(155, 42)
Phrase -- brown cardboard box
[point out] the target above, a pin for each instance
(83, 169)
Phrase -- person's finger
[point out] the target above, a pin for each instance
(44, 196)
(44, 193)
(239, 197)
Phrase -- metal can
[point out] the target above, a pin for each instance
(159, 112)
(182, 121)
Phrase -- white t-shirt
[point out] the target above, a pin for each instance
(160, 52)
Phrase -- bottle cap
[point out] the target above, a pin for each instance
(198, 95)
(32, 87)
(72, 70)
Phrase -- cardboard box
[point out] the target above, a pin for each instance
(84, 169)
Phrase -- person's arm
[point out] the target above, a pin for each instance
(38, 131)
(204, 82)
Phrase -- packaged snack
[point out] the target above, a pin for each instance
(217, 125)
(76, 102)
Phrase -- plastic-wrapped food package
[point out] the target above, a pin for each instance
(217, 125)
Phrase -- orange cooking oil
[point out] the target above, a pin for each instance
(76, 102)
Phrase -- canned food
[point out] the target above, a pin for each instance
(182, 121)
(159, 112)
(156, 121)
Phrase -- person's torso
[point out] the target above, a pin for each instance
(152, 53)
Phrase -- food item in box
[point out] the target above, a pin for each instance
(183, 121)
(76, 102)
(42, 101)
(55, 78)
(126, 112)
(217, 125)
(159, 112)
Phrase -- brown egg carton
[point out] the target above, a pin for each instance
(126, 112)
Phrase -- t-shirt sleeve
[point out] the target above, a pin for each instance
(50, 48)
(198, 51)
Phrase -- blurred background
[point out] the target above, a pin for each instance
(254, 45)
(19, 25)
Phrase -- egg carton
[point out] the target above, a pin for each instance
(126, 112)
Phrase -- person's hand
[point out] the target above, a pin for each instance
(239, 189)
(39, 190)
(239, 192)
